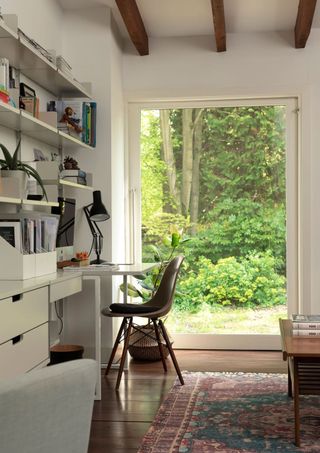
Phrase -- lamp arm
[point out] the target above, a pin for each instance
(90, 223)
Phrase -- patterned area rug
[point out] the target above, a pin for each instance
(232, 412)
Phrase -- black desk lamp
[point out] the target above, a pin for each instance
(97, 213)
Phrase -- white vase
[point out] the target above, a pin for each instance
(20, 182)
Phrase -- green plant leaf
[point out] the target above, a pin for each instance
(7, 157)
(140, 276)
(175, 240)
(132, 290)
(15, 160)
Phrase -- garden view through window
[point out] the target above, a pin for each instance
(215, 177)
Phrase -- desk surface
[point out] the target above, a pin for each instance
(9, 288)
(297, 346)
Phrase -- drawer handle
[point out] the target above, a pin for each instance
(17, 297)
(17, 339)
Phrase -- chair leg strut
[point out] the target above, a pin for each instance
(124, 352)
(115, 346)
(172, 354)
(156, 329)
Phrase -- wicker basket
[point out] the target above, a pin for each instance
(143, 347)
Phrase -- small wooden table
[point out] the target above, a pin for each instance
(303, 356)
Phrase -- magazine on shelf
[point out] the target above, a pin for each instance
(30, 232)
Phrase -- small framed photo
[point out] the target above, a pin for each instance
(10, 230)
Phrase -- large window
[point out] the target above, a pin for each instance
(218, 175)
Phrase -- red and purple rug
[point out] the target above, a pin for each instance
(232, 412)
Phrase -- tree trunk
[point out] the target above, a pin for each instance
(197, 147)
(168, 157)
(187, 159)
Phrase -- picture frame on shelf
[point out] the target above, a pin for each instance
(10, 230)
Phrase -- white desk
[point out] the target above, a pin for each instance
(95, 273)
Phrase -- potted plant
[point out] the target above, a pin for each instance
(11, 166)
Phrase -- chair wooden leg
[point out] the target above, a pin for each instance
(160, 345)
(115, 346)
(124, 352)
(172, 354)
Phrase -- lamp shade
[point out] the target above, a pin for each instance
(98, 212)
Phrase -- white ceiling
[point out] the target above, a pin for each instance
(167, 18)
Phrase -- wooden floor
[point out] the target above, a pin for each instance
(121, 418)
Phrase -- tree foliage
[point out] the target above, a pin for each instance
(218, 173)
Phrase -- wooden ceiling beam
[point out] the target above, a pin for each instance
(219, 24)
(131, 16)
(304, 22)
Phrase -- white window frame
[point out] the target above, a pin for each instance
(293, 196)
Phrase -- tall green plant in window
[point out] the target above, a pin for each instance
(146, 285)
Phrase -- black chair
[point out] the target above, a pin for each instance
(153, 310)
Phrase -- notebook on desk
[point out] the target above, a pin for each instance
(93, 267)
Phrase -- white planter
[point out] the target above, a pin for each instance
(21, 180)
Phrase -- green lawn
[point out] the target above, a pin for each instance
(227, 320)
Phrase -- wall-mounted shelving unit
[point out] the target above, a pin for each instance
(31, 63)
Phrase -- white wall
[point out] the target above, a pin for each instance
(96, 56)
(39, 19)
(260, 64)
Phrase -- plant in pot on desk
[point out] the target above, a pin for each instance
(143, 343)
(12, 167)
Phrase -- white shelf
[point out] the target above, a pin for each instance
(12, 200)
(23, 56)
(64, 182)
(69, 142)
(39, 203)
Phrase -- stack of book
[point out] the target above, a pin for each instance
(306, 325)
(78, 176)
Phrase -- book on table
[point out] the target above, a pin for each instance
(306, 332)
(305, 323)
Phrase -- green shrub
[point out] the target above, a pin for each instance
(247, 282)
(239, 228)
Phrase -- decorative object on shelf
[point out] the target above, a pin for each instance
(71, 120)
(12, 167)
(96, 213)
(70, 164)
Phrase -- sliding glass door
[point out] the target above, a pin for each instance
(223, 177)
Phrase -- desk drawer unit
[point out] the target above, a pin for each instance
(24, 352)
(23, 312)
(66, 288)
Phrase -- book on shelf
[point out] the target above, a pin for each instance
(306, 332)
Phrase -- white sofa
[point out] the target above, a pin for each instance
(48, 410)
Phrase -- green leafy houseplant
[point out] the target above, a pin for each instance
(13, 163)
(148, 284)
